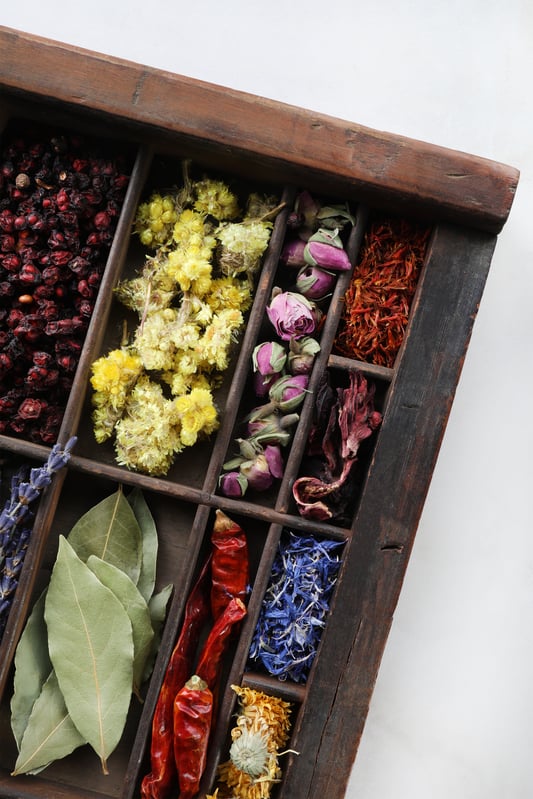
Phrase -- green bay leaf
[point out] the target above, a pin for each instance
(50, 733)
(145, 520)
(158, 611)
(135, 606)
(110, 531)
(91, 648)
(32, 667)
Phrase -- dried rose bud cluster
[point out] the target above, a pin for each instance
(60, 199)
(282, 367)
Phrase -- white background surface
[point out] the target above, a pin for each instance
(452, 711)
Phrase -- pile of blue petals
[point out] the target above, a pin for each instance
(295, 606)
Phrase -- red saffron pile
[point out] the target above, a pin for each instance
(379, 297)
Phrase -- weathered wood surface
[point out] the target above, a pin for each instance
(385, 524)
(397, 171)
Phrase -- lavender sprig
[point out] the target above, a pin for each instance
(295, 606)
(16, 521)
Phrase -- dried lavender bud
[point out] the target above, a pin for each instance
(16, 511)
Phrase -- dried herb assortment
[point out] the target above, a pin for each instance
(219, 320)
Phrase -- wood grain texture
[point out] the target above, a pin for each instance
(385, 525)
(392, 170)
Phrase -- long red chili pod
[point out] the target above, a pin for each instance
(230, 567)
(157, 784)
(210, 660)
(193, 708)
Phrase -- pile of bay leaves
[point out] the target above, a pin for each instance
(91, 638)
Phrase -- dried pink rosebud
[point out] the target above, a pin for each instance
(292, 254)
(315, 283)
(274, 459)
(325, 249)
(268, 361)
(303, 218)
(269, 358)
(264, 468)
(288, 392)
(272, 428)
(302, 354)
(293, 315)
(233, 484)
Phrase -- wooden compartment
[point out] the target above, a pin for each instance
(159, 120)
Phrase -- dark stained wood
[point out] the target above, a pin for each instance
(376, 165)
(466, 200)
(384, 527)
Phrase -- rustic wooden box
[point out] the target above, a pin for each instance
(465, 200)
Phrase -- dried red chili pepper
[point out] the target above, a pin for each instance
(157, 784)
(230, 568)
(210, 661)
(193, 709)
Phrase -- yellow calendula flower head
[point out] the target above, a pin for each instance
(261, 730)
(213, 197)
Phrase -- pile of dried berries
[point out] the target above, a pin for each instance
(295, 606)
(60, 198)
(379, 298)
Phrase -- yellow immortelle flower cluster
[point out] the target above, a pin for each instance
(261, 730)
(154, 394)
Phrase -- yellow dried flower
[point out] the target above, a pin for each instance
(191, 230)
(214, 346)
(112, 378)
(147, 437)
(229, 292)
(155, 219)
(242, 245)
(190, 269)
(197, 415)
(114, 373)
(213, 197)
(261, 729)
